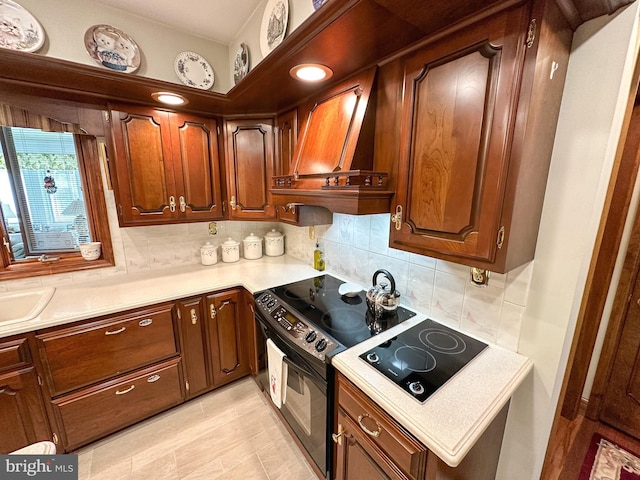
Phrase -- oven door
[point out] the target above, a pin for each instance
(305, 403)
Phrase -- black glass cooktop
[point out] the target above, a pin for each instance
(424, 357)
(346, 319)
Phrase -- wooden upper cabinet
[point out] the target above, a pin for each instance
(166, 166)
(462, 170)
(286, 140)
(199, 174)
(250, 166)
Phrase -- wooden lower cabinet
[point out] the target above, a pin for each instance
(370, 445)
(88, 352)
(228, 336)
(22, 415)
(94, 412)
(214, 340)
(104, 374)
(192, 326)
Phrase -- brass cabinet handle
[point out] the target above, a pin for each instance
(194, 316)
(337, 437)
(373, 433)
(226, 302)
(397, 217)
(212, 309)
(183, 204)
(115, 332)
(127, 390)
(232, 202)
(172, 204)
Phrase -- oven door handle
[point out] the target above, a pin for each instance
(303, 370)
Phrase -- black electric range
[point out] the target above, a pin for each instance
(423, 358)
(346, 320)
(309, 322)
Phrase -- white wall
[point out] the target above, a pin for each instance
(66, 21)
(299, 11)
(598, 82)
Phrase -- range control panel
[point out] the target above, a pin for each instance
(309, 338)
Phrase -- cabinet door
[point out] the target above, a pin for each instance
(286, 139)
(250, 165)
(229, 356)
(195, 143)
(22, 414)
(192, 340)
(143, 160)
(457, 120)
(357, 458)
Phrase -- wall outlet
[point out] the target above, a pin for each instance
(213, 228)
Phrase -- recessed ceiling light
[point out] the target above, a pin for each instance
(169, 98)
(311, 72)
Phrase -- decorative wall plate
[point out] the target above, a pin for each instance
(112, 48)
(241, 63)
(194, 71)
(19, 30)
(274, 25)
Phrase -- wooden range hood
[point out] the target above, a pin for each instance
(333, 161)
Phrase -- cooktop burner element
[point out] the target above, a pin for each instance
(423, 358)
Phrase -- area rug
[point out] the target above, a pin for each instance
(607, 461)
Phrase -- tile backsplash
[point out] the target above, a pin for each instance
(354, 248)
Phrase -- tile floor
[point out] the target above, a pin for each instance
(230, 433)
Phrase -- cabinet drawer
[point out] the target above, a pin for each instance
(99, 410)
(94, 351)
(14, 353)
(408, 454)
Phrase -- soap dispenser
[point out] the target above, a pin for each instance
(318, 259)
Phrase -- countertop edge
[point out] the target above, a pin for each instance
(451, 453)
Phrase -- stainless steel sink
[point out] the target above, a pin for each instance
(23, 305)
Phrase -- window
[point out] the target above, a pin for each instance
(41, 192)
(52, 201)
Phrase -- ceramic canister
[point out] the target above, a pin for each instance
(230, 250)
(274, 243)
(252, 245)
(208, 254)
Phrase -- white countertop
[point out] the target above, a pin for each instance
(451, 420)
(123, 292)
(448, 423)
